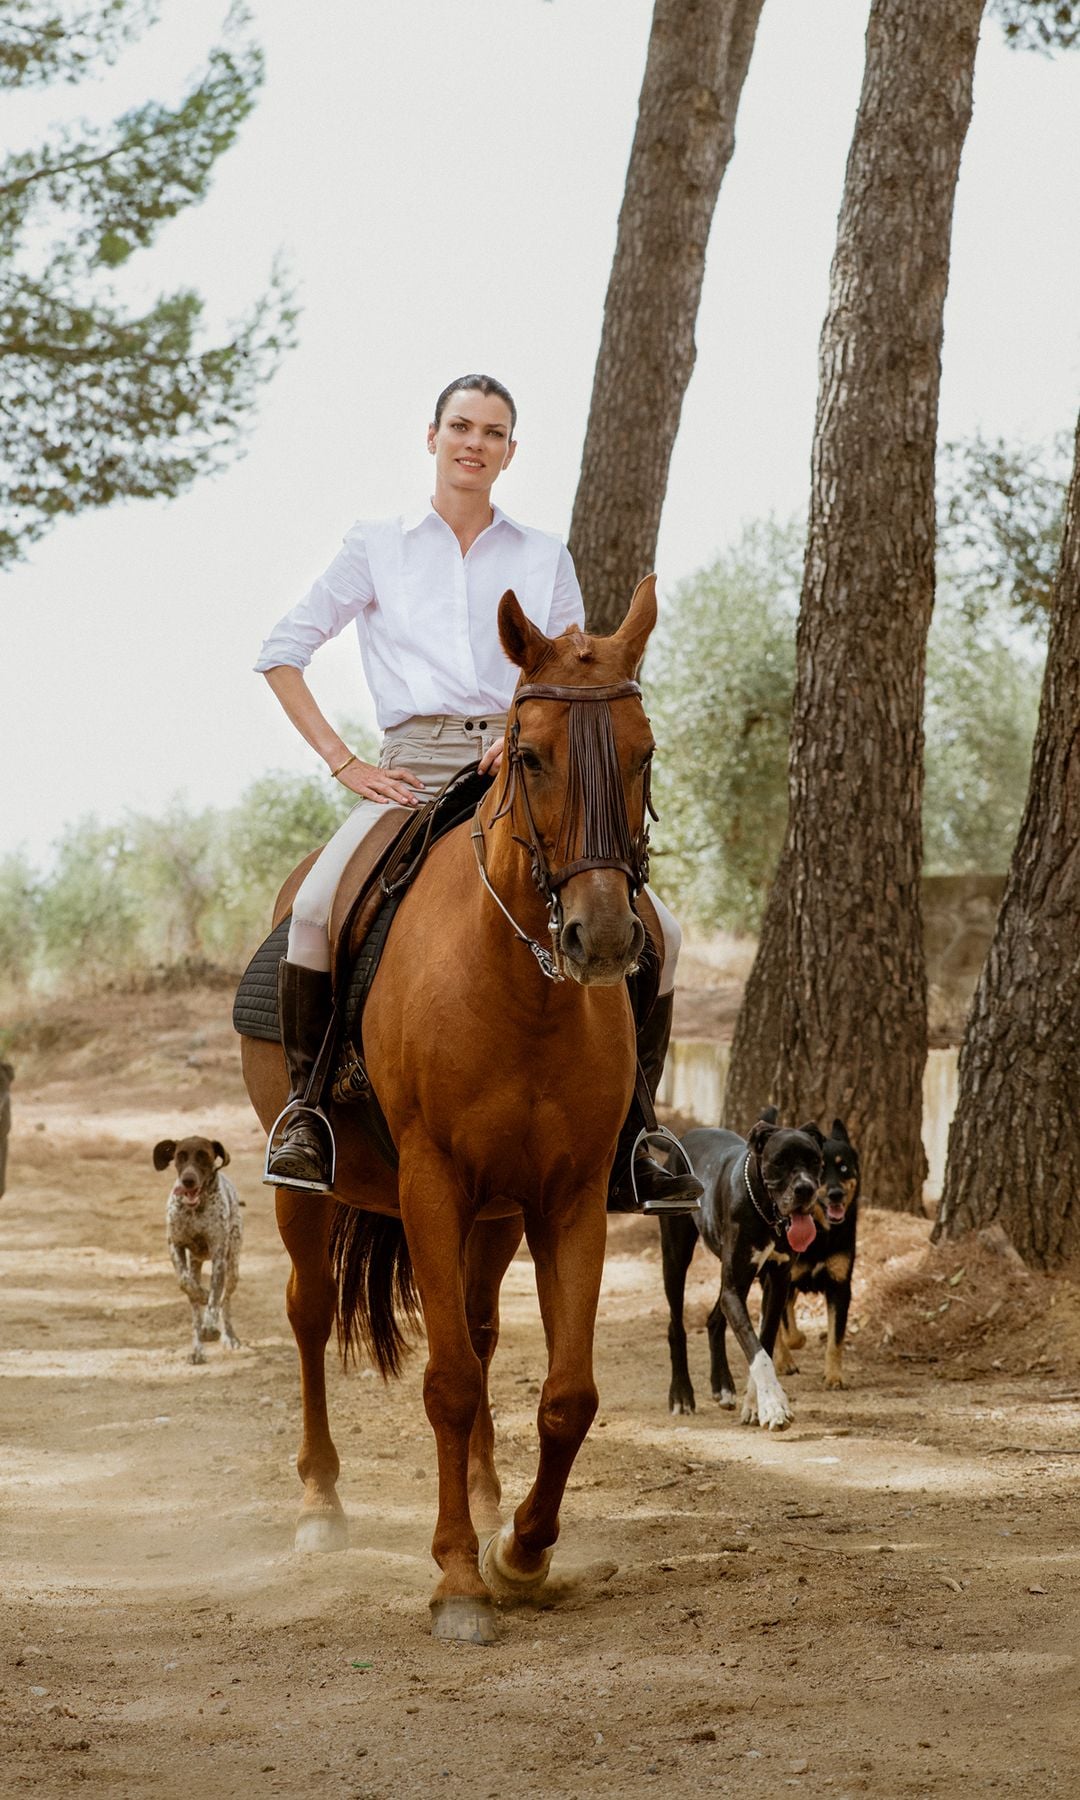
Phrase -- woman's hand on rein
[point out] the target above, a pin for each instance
(391, 787)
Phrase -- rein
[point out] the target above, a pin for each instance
(594, 814)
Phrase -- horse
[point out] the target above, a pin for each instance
(505, 1066)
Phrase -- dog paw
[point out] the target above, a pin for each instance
(834, 1380)
(725, 1397)
(681, 1403)
(197, 1356)
(229, 1342)
(764, 1395)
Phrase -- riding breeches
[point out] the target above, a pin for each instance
(433, 749)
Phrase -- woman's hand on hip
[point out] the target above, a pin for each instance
(391, 787)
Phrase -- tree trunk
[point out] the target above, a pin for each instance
(834, 1021)
(699, 52)
(1014, 1145)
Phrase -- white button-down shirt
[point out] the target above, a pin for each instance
(426, 616)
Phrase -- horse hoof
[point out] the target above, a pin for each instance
(317, 1534)
(503, 1581)
(461, 1621)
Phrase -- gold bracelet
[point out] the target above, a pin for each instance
(351, 758)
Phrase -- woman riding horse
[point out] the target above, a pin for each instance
(424, 590)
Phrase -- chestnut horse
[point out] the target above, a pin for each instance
(504, 1085)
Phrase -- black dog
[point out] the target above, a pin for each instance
(7, 1076)
(828, 1265)
(756, 1216)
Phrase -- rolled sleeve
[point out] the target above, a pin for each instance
(331, 603)
(567, 606)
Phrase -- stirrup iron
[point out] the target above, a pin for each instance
(660, 1138)
(320, 1122)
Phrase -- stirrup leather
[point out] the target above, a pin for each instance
(314, 1116)
(660, 1138)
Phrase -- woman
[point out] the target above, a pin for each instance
(423, 591)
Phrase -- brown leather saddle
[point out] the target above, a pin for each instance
(375, 880)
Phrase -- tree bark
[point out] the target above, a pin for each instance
(1014, 1144)
(834, 1021)
(699, 52)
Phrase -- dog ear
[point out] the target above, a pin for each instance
(839, 1130)
(219, 1150)
(523, 642)
(164, 1153)
(813, 1131)
(769, 1114)
(760, 1135)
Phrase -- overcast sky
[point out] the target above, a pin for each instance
(444, 178)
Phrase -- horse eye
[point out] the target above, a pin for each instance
(531, 761)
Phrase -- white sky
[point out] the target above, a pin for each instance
(444, 177)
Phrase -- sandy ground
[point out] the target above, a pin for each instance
(882, 1600)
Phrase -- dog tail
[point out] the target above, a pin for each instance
(376, 1291)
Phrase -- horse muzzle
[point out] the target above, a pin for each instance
(600, 941)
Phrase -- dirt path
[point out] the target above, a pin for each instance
(881, 1601)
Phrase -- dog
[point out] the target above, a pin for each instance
(828, 1266)
(203, 1220)
(757, 1217)
(7, 1076)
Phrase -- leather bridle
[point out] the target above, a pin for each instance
(594, 816)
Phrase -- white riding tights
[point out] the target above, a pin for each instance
(435, 749)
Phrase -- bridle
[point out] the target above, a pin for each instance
(594, 817)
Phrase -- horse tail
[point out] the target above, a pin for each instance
(376, 1290)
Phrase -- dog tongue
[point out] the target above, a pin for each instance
(801, 1231)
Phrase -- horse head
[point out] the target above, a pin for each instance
(576, 782)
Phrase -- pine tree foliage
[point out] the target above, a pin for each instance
(1039, 24)
(45, 40)
(97, 404)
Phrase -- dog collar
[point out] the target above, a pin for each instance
(777, 1222)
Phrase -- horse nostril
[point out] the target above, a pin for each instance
(573, 942)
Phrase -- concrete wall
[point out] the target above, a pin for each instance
(696, 1069)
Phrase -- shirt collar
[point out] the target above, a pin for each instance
(412, 521)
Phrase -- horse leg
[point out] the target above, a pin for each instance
(488, 1253)
(310, 1301)
(437, 1220)
(569, 1255)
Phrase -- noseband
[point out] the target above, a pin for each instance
(594, 809)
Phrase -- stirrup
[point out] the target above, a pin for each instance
(661, 1138)
(321, 1124)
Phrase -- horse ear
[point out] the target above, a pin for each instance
(220, 1151)
(164, 1153)
(639, 621)
(523, 642)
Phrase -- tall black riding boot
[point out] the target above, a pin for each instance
(300, 1156)
(658, 1190)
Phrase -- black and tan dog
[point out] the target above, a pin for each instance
(827, 1266)
(757, 1217)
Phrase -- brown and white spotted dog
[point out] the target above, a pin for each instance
(203, 1221)
(828, 1265)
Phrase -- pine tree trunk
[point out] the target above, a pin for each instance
(835, 1016)
(1014, 1144)
(699, 52)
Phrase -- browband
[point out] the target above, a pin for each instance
(616, 690)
